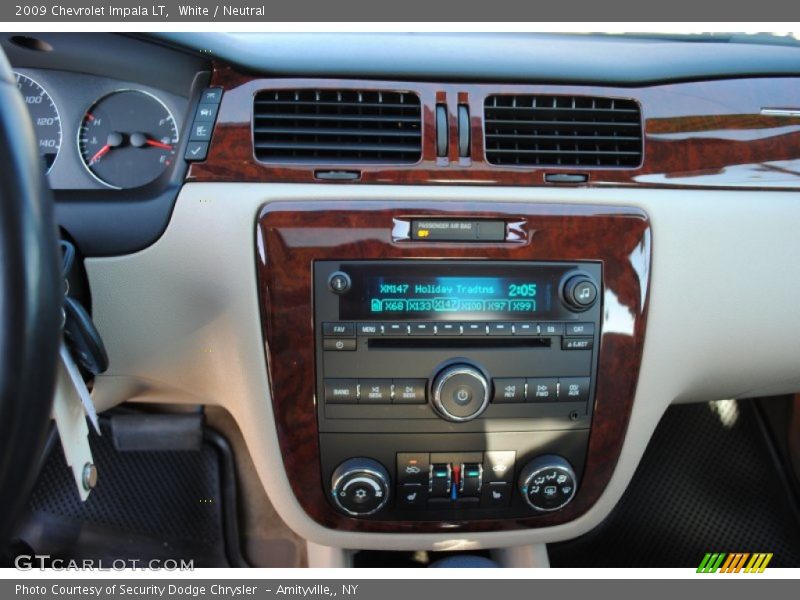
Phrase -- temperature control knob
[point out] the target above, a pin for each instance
(360, 486)
(579, 291)
(460, 392)
(548, 483)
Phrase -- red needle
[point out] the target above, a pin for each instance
(99, 154)
(158, 144)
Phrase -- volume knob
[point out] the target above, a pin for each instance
(460, 392)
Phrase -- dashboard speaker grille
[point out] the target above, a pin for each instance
(568, 131)
(339, 126)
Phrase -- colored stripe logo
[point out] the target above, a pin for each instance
(735, 562)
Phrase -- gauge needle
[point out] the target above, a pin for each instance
(99, 154)
(114, 139)
(139, 140)
(158, 144)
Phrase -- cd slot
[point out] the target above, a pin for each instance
(460, 342)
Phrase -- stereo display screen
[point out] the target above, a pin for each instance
(449, 291)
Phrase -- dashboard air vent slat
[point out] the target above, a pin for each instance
(337, 126)
(562, 131)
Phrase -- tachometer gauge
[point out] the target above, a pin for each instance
(44, 115)
(127, 139)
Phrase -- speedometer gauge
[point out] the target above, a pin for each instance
(45, 118)
(127, 139)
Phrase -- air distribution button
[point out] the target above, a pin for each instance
(460, 392)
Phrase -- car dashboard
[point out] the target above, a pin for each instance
(445, 312)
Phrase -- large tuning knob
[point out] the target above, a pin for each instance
(460, 392)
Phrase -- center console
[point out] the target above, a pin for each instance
(469, 367)
(506, 350)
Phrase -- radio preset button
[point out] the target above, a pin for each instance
(448, 329)
(370, 329)
(339, 344)
(341, 391)
(582, 343)
(526, 328)
(409, 391)
(375, 391)
(574, 389)
(507, 390)
(338, 329)
(501, 329)
(542, 389)
(580, 329)
(473, 328)
(421, 329)
(551, 328)
(395, 329)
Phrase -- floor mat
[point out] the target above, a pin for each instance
(147, 505)
(707, 483)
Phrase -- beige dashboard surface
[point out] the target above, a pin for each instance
(181, 320)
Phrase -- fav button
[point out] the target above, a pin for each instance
(338, 329)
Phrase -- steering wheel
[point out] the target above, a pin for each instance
(31, 296)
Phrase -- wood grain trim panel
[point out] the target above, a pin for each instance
(699, 134)
(291, 235)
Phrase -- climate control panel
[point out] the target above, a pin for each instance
(437, 482)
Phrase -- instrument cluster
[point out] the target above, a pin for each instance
(94, 132)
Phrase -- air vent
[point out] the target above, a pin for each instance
(337, 126)
(562, 131)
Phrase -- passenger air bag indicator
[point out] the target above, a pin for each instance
(458, 230)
